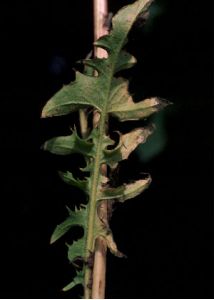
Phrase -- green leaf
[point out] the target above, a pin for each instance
(77, 249)
(65, 145)
(78, 279)
(76, 218)
(69, 179)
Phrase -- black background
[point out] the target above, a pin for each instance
(166, 232)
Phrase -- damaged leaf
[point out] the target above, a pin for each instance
(124, 192)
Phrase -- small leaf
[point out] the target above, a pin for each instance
(124, 192)
(69, 179)
(77, 249)
(65, 145)
(78, 279)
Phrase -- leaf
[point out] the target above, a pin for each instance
(126, 191)
(77, 249)
(78, 279)
(65, 145)
(69, 179)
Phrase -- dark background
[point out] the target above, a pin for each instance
(166, 232)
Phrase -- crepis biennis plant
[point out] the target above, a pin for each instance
(100, 88)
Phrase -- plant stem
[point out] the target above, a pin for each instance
(100, 29)
(98, 287)
(99, 267)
